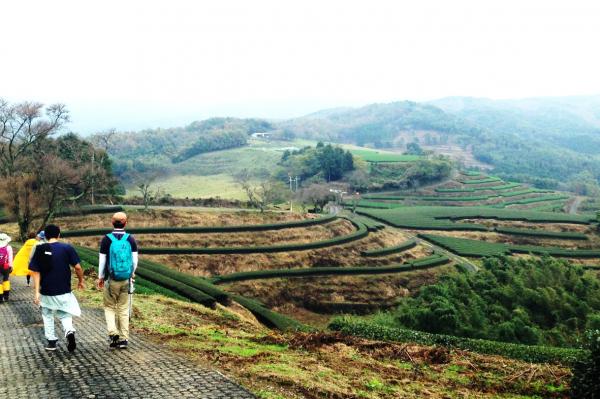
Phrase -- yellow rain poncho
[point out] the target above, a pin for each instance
(21, 261)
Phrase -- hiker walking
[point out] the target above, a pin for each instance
(116, 267)
(6, 264)
(51, 268)
(24, 255)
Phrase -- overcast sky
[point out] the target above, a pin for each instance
(134, 64)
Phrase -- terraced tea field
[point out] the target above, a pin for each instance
(231, 248)
(470, 189)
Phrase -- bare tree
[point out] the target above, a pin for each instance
(145, 186)
(58, 182)
(104, 141)
(23, 127)
(317, 194)
(263, 192)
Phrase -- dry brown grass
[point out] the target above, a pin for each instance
(294, 296)
(272, 237)
(339, 255)
(559, 227)
(179, 217)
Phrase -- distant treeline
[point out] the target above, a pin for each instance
(146, 152)
(212, 142)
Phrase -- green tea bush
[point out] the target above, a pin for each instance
(176, 281)
(477, 248)
(268, 317)
(205, 229)
(533, 354)
(361, 232)
(405, 246)
(565, 235)
(149, 288)
(445, 217)
(482, 181)
(177, 287)
(420, 263)
(507, 186)
(455, 190)
(196, 282)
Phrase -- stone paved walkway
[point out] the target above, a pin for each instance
(145, 370)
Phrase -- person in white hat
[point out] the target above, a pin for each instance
(6, 265)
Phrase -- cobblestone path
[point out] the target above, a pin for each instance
(145, 370)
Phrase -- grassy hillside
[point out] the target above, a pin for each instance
(328, 364)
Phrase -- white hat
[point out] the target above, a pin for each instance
(4, 240)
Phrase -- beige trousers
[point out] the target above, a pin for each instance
(116, 308)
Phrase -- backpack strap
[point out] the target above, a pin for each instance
(113, 238)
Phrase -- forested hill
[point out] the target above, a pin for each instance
(181, 143)
(553, 138)
(542, 141)
(377, 123)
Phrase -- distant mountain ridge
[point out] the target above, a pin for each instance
(542, 141)
(539, 140)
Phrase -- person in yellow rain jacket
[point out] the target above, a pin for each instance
(6, 263)
(23, 257)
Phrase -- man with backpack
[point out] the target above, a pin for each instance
(51, 268)
(6, 265)
(116, 267)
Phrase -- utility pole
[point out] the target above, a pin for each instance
(93, 172)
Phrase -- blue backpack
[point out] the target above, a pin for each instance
(120, 258)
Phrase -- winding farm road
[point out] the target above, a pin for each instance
(573, 206)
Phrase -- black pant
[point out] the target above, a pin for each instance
(5, 284)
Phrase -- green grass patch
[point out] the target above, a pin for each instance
(378, 156)
(194, 186)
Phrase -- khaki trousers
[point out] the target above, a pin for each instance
(116, 308)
